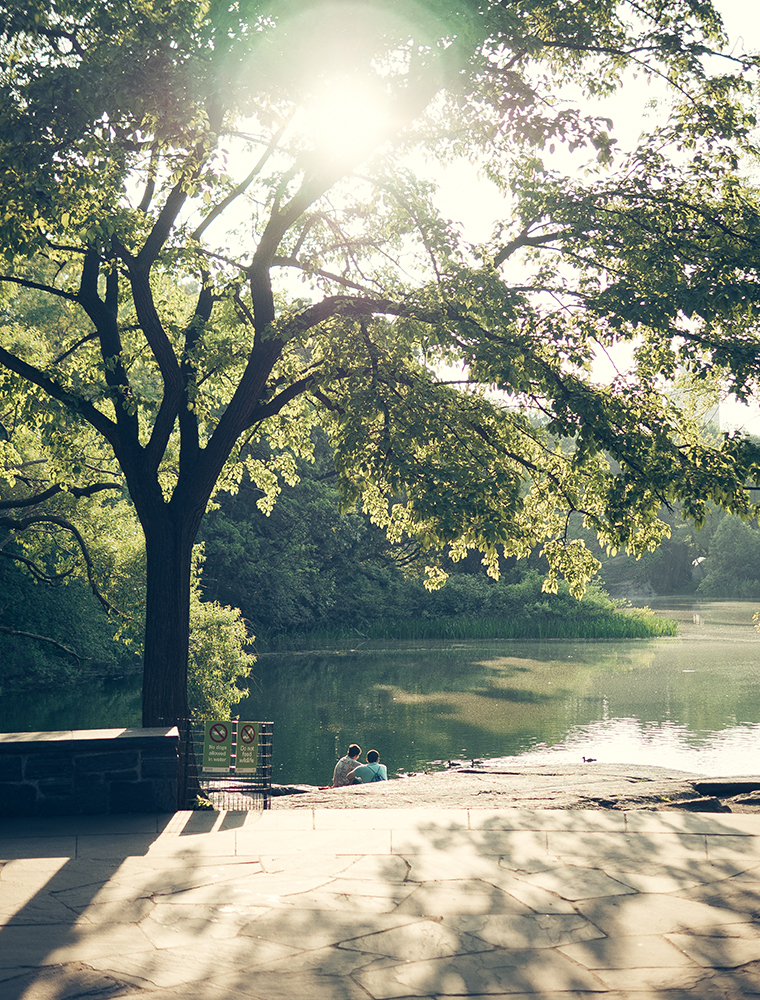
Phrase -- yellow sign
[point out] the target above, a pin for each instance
(217, 746)
(247, 757)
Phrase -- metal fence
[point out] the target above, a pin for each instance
(251, 790)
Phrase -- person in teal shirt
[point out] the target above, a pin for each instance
(373, 770)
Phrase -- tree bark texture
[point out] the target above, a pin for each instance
(169, 547)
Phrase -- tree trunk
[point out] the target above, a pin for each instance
(168, 547)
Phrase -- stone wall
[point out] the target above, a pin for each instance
(89, 771)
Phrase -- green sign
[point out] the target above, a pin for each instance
(247, 747)
(217, 746)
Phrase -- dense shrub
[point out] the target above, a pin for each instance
(70, 615)
(732, 569)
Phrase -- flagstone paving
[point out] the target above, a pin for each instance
(381, 904)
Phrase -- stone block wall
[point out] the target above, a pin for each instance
(89, 772)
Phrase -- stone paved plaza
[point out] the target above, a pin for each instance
(374, 904)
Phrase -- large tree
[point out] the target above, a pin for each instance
(163, 164)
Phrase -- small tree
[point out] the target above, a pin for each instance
(218, 660)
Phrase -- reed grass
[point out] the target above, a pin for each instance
(631, 623)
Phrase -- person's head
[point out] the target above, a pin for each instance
(373, 757)
(354, 750)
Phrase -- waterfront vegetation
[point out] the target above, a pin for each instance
(639, 623)
(636, 623)
(371, 603)
(514, 611)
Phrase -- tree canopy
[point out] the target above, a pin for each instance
(219, 228)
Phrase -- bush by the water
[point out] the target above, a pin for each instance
(475, 607)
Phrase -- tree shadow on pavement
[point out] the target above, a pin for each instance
(545, 904)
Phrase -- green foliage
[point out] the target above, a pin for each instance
(163, 164)
(69, 615)
(218, 660)
(50, 635)
(732, 569)
(308, 564)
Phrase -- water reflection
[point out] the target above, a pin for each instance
(630, 741)
(96, 704)
(691, 702)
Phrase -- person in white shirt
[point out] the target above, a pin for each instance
(344, 767)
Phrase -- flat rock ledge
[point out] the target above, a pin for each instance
(589, 785)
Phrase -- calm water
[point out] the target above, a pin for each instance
(691, 702)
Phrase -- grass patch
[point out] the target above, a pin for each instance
(608, 624)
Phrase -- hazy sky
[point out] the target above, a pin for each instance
(741, 19)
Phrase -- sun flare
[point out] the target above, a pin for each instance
(346, 118)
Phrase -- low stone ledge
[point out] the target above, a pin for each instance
(83, 739)
(89, 771)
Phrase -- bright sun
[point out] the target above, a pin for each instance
(346, 119)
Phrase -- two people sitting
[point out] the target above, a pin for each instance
(350, 771)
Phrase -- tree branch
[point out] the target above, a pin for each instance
(188, 421)
(27, 522)
(39, 287)
(274, 406)
(177, 197)
(328, 275)
(242, 187)
(104, 314)
(43, 638)
(34, 569)
(524, 240)
(82, 340)
(76, 404)
(150, 185)
(75, 491)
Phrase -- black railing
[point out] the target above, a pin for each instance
(245, 791)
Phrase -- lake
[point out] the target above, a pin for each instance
(691, 702)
